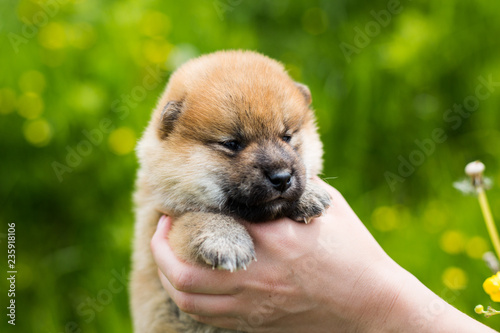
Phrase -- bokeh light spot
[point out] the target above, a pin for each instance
(86, 97)
(315, 21)
(7, 100)
(155, 24)
(157, 50)
(37, 132)
(476, 247)
(30, 105)
(385, 218)
(32, 81)
(122, 141)
(455, 278)
(452, 242)
(53, 36)
(410, 40)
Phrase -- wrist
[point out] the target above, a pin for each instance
(409, 306)
(403, 304)
(384, 293)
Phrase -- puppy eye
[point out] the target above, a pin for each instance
(232, 145)
(286, 138)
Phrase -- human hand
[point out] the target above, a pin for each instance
(327, 276)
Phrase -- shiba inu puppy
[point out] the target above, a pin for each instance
(233, 138)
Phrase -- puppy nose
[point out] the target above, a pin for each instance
(280, 180)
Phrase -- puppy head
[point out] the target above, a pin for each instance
(231, 134)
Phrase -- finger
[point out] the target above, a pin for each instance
(188, 277)
(206, 305)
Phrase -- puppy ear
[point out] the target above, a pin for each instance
(168, 117)
(304, 90)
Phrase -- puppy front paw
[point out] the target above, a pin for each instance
(313, 203)
(231, 253)
(221, 242)
(214, 239)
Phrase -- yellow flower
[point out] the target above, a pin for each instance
(492, 287)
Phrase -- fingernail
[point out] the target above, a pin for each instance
(161, 222)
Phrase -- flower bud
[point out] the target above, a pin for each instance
(474, 169)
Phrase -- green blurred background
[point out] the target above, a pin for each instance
(79, 79)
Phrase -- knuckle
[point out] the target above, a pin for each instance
(182, 280)
(186, 303)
